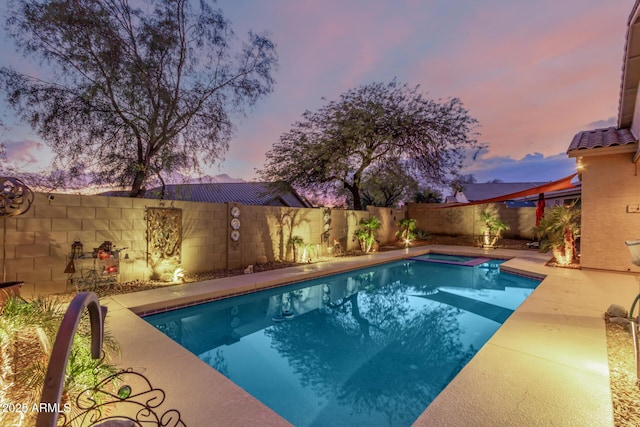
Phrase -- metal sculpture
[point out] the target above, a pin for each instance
(136, 403)
(15, 197)
(164, 236)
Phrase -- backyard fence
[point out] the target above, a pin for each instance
(465, 220)
(152, 237)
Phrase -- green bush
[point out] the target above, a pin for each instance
(406, 233)
(558, 231)
(27, 333)
(367, 233)
(421, 234)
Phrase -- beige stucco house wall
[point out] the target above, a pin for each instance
(610, 196)
(608, 163)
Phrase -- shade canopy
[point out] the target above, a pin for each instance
(561, 184)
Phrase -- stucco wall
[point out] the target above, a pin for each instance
(610, 184)
(38, 243)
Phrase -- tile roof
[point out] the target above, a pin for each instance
(600, 138)
(247, 193)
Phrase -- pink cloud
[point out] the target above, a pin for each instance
(532, 82)
(24, 151)
(532, 73)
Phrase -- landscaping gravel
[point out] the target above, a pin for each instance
(625, 393)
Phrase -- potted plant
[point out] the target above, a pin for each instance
(558, 232)
(492, 227)
(367, 233)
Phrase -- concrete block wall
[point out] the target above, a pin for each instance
(610, 185)
(389, 217)
(266, 230)
(38, 243)
(465, 220)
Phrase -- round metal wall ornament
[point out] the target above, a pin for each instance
(15, 197)
(235, 235)
(235, 212)
(235, 223)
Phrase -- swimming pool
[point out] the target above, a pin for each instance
(367, 347)
(443, 257)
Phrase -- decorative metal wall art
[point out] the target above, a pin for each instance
(235, 226)
(326, 224)
(164, 236)
(15, 197)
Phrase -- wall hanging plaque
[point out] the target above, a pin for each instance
(164, 236)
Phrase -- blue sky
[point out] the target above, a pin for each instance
(532, 73)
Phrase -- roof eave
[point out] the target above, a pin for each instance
(601, 151)
(630, 69)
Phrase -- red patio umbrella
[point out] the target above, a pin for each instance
(540, 209)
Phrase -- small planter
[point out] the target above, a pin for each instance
(9, 289)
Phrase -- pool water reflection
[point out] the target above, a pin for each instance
(367, 347)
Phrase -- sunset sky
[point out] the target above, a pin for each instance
(533, 73)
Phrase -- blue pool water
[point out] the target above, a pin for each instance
(369, 347)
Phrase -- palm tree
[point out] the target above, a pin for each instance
(558, 231)
(492, 228)
(296, 242)
(406, 232)
(366, 234)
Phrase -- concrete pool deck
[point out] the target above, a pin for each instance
(547, 365)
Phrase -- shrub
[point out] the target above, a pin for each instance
(492, 226)
(407, 230)
(366, 234)
(421, 234)
(558, 231)
(27, 333)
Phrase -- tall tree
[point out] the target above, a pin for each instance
(386, 184)
(334, 146)
(428, 195)
(139, 88)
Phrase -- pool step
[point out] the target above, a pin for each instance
(470, 263)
